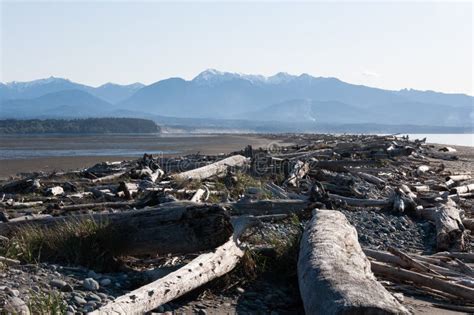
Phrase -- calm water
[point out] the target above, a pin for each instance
(41, 146)
(23, 147)
(466, 139)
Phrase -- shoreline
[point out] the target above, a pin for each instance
(205, 144)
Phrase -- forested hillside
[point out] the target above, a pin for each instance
(77, 126)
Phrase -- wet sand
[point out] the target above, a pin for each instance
(177, 145)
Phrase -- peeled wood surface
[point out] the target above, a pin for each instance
(214, 169)
(167, 229)
(334, 274)
(199, 271)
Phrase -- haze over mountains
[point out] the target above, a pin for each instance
(248, 100)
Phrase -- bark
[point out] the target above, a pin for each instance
(214, 169)
(199, 271)
(334, 274)
(167, 229)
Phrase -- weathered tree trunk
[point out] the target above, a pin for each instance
(334, 274)
(162, 230)
(450, 232)
(214, 169)
(199, 271)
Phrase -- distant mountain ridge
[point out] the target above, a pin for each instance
(109, 92)
(224, 95)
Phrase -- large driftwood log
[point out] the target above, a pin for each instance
(166, 229)
(214, 169)
(450, 232)
(334, 274)
(199, 271)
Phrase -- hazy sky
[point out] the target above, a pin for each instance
(388, 45)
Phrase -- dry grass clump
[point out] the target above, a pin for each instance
(51, 303)
(82, 242)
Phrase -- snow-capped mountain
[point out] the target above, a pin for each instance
(217, 94)
(109, 92)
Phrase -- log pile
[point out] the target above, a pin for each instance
(207, 206)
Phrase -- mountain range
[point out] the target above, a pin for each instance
(213, 95)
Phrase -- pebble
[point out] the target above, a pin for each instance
(90, 284)
(94, 297)
(57, 283)
(15, 305)
(67, 288)
(105, 282)
(79, 300)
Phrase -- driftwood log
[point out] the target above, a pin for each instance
(214, 169)
(166, 229)
(454, 289)
(334, 274)
(199, 271)
(450, 232)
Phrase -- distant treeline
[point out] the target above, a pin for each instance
(77, 126)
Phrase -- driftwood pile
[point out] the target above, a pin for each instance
(177, 205)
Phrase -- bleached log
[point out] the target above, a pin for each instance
(8, 261)
(129, 189)
(199, 194)
(399, 274)
(360, 202)
(300, 169)
(386, 257)
(370, 178)
(463, 189)
(175, 228)
(214, 169)
(199, 271)
(108, 177)
(459, 178)
(450, 232)
(334, 274)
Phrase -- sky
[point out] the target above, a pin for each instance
(420, 45)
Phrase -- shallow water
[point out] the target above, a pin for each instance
(465, 139)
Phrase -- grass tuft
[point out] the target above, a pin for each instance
(51, 303)
(76, 243)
